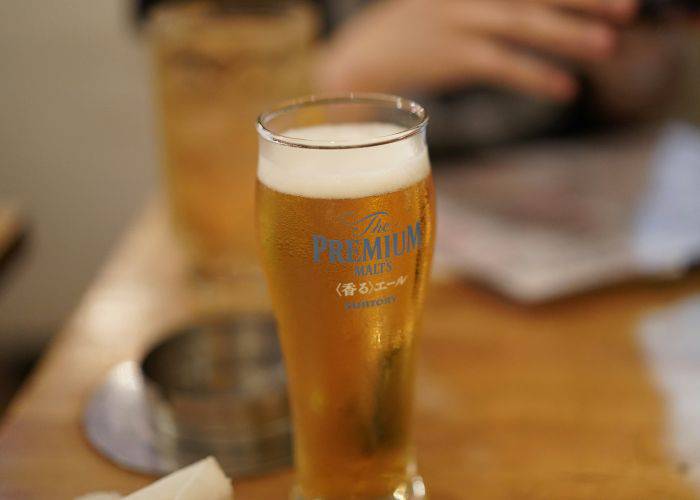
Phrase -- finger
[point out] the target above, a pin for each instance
(538, 26)
(618, 10)
(489, 61)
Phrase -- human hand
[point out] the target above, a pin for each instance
(418, 45)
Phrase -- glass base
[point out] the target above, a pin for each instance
(413, 489)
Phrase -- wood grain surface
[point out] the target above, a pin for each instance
(548, 402)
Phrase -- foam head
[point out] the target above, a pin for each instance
(351, 172)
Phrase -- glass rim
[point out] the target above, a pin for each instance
(368, 98)
(205, 10)
(173, 18)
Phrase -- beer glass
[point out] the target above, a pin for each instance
(218, 64)
(345, 208)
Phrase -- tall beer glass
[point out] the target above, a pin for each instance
(345, 208)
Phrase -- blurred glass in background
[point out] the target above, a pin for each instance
(218, 65)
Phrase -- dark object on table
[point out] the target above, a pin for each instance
(13, 235)
(657, 10)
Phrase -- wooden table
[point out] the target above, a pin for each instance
(514, 402)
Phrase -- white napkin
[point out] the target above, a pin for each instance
(203, 480)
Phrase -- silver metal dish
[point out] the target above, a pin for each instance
(216, 388)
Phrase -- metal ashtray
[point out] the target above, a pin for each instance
(214, 388)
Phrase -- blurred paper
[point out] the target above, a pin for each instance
(667, 229)
(560, 217)
(671, 345)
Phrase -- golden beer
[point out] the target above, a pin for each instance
(347, 253)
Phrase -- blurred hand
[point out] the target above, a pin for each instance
(417, 45)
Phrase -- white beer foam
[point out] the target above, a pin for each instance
(343, 173)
